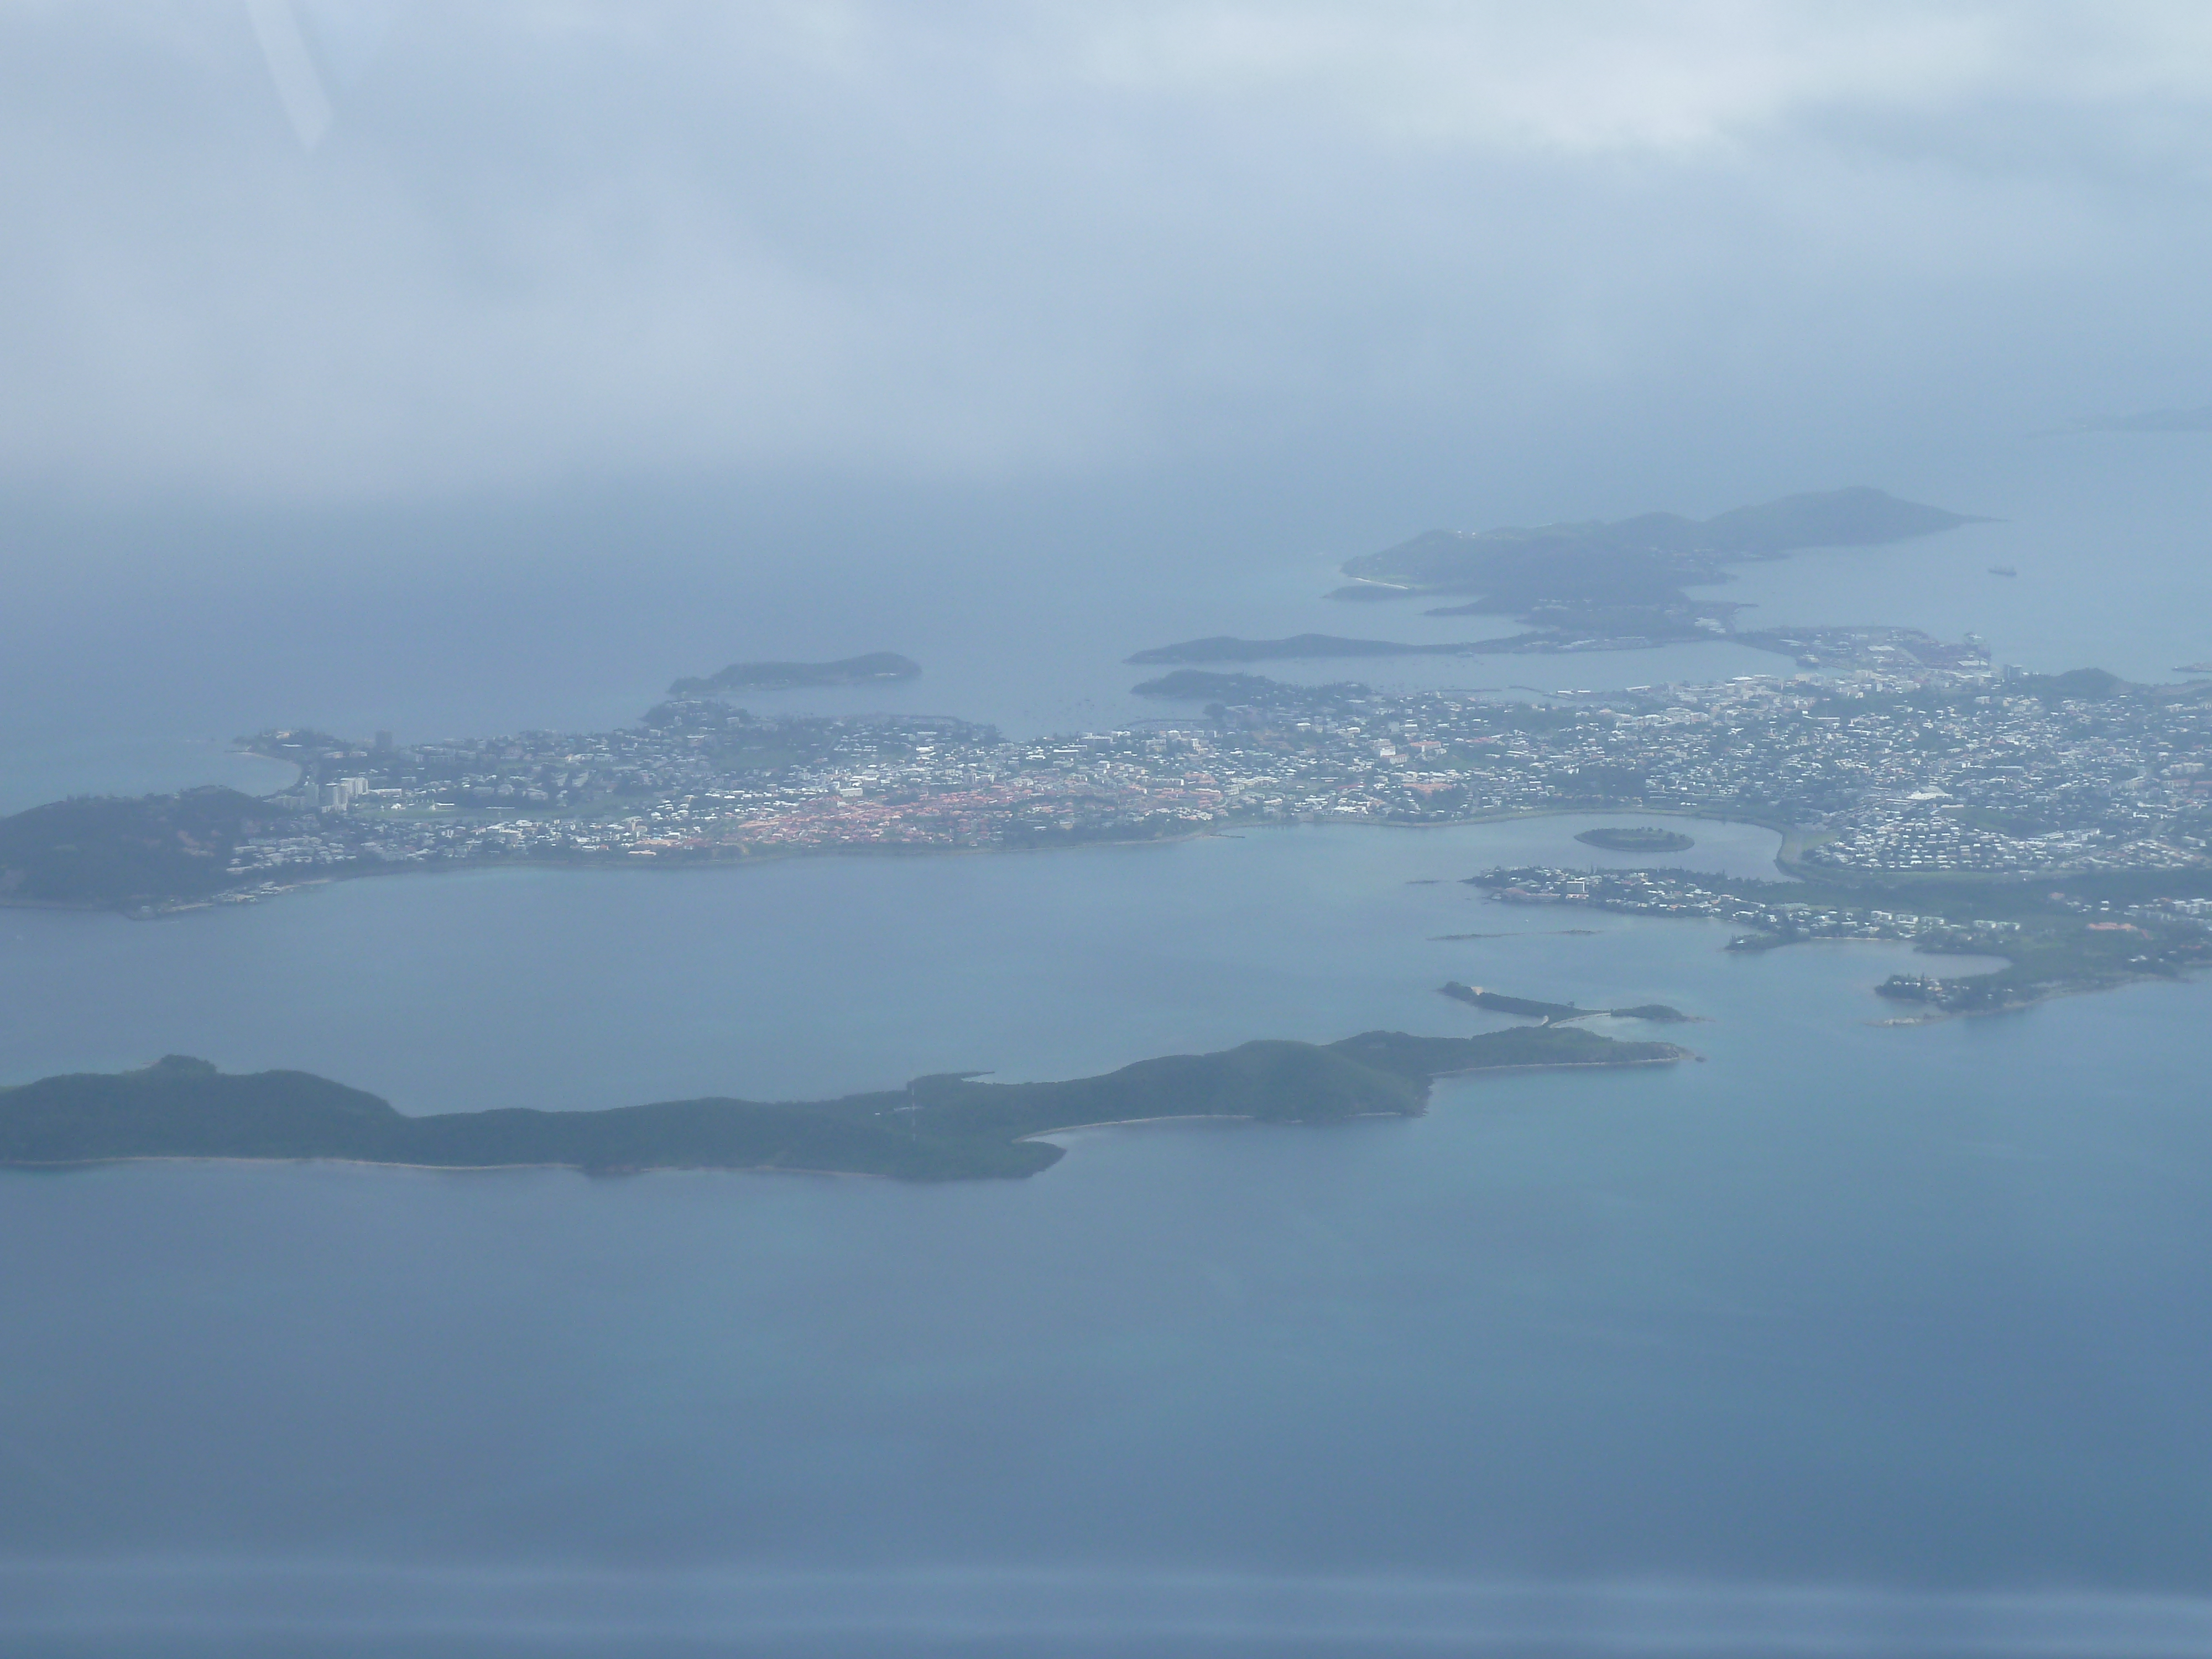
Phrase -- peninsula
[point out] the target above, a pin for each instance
(942, 1127)
(1246, 690)
(2101, 928)
(1557, 1013)
(1223, 648)
(876, 665)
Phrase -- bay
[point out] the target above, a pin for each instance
(813, 977)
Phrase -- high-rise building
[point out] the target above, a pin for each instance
(340, 793)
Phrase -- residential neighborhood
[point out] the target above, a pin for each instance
(1924, 769)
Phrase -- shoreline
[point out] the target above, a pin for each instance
(2050, 993)
(61, 1165)
(1793, 840)
(1356, 1117)
(137, 910)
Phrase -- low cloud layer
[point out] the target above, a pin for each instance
(991, 240)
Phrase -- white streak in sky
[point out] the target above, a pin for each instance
(293, 69)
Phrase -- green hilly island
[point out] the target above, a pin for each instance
(101, 850)
(942, 1127)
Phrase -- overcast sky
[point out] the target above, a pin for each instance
(988, 241)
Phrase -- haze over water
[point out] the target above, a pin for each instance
(575, 614)
(1842, 1306)
(1906, 1316)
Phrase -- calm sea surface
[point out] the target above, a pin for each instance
(1845, 1338)
(1841, 1306)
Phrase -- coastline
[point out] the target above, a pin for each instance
(2048, 994)
(63, 1165)
(138, 910)
(180, 1109)
(1794, 840)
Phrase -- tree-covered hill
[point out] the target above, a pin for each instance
(126, 850)
(936, 1128)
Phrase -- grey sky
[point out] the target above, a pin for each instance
(988, 241)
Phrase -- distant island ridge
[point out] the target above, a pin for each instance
(875, 665)
(940, 1128)
(1536, 563)
(1620, 584)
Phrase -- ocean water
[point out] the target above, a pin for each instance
(1843, 1337)
(811, 977)
(1844, 1327)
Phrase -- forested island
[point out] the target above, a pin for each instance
(937, 1129)
(866, 670)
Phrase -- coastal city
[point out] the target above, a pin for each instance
(1886, 768)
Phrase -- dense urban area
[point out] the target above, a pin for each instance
(2059, 822)
(1903, 768)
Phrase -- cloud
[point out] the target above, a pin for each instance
(989, 239)
(1670, 75)
(1577, 79)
